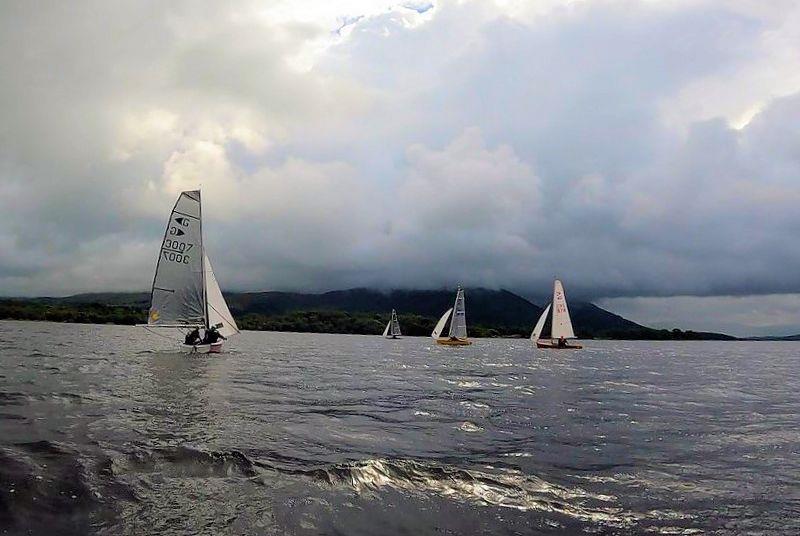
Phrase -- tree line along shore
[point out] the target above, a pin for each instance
(323, 321)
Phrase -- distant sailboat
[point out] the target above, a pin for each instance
(561, 325)
(392, 330)
(457, 335)
(185, 293)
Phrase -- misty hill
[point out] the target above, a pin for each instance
(139, 300)
(484, 307)
(774, 338)
(489, 312)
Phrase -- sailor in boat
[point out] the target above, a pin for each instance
(213, 336)
(562, 342)
(193, 337)
(185, 294)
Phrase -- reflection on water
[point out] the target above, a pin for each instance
(110, 430)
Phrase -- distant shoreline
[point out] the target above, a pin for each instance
(274, 329)
(734, 339)
(490, 313)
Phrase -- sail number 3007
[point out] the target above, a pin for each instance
(176, 257)
(177, 246)
(176, 251)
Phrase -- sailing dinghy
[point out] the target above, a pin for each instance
(185, 293)
(457, 336)
(561, 325)
(392, 330)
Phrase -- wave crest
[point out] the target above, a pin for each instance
(506, 489)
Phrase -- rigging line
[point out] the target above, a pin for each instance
(157, 333)
(223, 318)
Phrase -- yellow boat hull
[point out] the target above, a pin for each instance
(446, 341)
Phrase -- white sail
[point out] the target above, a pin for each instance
(218, 313)
(537, 330)
(458, 327)
(395, 325)
(562, 325)
(178, 294)
(388, 327)
(440, 325)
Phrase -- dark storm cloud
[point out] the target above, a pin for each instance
(603, 142)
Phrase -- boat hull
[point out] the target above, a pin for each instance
(548, 345)
(392, 337)
(446, 341)
(215, 348)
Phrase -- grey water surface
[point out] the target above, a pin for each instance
(112, 430)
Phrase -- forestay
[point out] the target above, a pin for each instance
(218, 313)
(562, 325)
(458, 327)
(177, 297)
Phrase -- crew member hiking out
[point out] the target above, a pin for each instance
(212, 336)
(193, 337)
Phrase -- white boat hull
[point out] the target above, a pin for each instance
(215, 348)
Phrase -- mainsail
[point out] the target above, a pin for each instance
(392, 327)
(218, 313)
(440, 324)
(395, 330)
(458, 327)
(178, 294)
(537, 330)
(185, 292)
(562, 325)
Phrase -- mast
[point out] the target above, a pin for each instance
(203, 259)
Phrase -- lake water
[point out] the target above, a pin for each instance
(110, 430)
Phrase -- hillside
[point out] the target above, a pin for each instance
(788, 338)
(484, 307)
(490, 313)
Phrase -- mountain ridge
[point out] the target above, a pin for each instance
(773, 338)
(358, 310)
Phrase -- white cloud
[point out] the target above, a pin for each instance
(630, 147)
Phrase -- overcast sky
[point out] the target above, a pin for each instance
(639, 150)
